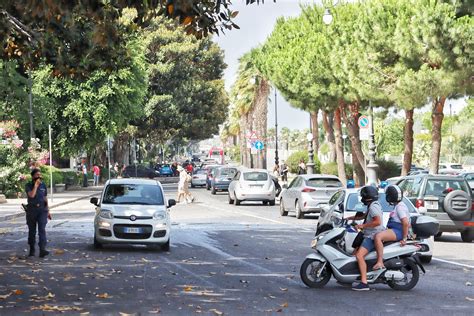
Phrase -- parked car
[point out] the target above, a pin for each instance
(469, 176)
(450, 168)
(222, 178)
(252, 185)
(308, 193)
(346, 202)
(166, 171)
(132, 211)
(210, 174)
(414, 173)
(199, 178)
(446, 198)
(139, 171)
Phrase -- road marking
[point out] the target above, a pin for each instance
(454, 263)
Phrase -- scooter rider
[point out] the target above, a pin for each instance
(372, 226)
(397, 226)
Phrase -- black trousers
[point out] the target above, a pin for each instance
(37, 218)
(84, 180)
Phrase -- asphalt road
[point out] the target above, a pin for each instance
(224, 259)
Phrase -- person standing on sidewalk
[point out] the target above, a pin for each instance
(96, 175)
(37, 214)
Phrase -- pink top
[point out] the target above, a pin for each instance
(96, 170)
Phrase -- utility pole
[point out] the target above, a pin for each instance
(276, 131)
(30, 99)
(372, 166)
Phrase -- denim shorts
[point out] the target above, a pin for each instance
(397, 229)
(368, 243)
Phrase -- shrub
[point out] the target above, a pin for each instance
(295, 158)
(387, 169)
(331, 168)
(70, 178)
(57, 175)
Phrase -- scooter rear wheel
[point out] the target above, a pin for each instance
(412, 274)
(309, 270)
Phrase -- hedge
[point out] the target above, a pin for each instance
(331, 168)
(387, 169)
(294, 160)
(57, 175)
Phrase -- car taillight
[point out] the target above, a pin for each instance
(195, 177)
(308, 190)
(419, 203)
(472, 206)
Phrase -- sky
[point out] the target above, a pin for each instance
(256, 23)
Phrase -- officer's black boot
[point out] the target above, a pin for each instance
(32, 251)
(43, 253)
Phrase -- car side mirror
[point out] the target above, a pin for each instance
(171, 202)
(95, 201)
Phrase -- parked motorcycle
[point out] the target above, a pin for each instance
(333, 256)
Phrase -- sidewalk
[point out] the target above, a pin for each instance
(12, 209)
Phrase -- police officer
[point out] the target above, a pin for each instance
(38, 212)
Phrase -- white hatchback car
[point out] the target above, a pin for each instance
(252, 185)
(132, 211)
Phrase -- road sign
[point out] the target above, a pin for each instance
(258, 145)
(364, 134)
(253, 151)
(364, 122)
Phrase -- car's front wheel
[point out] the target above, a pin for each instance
(283, 211)
(299, 213)
(230, 199)
(166, 246)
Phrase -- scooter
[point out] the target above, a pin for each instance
(333, 256)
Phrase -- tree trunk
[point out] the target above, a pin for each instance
(315, 131)
(328, 121)
(243, 140)
(259, 120)
(352, 124)
(436, 120)
(339, 150)
(408, 136)
(120, 148)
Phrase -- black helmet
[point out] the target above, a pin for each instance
(393, 194)
(369, 194)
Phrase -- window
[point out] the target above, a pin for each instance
(407, 187)
(255, 176)
(133, 194)
(335, 197)
(293, 182)
(441, 187)
(226, 172)
(456, 167)
(237, 176)
(324, 183)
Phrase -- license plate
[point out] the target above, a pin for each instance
(132, 230)
(256, 186)
(431, 205)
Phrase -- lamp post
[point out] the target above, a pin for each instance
(310, 164)
(327, 17)
(344, 146)
(372, 166)
(276, 131)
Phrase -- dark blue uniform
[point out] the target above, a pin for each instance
(37, 215)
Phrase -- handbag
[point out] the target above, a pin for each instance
(360, 235)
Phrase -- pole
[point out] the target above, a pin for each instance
(108, 153)
(50, 163)
(372, 166)
(276, 130)
(30, 111)
(310, 164)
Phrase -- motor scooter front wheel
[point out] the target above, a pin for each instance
(412, 275)
(309, 273)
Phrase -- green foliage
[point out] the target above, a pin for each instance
(12, 170)
(294, 159)
(387, 169)
(389, 137)
(58, 176)
(234, 153)
(331, 168)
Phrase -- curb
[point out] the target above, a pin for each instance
(20, 214)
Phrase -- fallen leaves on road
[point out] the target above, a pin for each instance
(468, 283)
(17, 292)
(4, 297)
(188, 288)
(284, 305)
(284, 289)
(470, 299)
(126, 314)
(103, 295)
(156, 311)
(56, 308)
(58, 251)
(216, 312)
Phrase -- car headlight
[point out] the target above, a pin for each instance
(106, 214)
(159, 215)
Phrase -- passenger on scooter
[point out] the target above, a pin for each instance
(397, 226)
(372, 225)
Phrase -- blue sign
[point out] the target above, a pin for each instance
(350, 184)
(258, 145)
(363, 122)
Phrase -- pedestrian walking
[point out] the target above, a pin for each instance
(37, 213)
(84, 174)
(183, 186)
(284, 172)
(276, 171)
(96, 175)
(302, 167)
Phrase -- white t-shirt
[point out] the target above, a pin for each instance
(400, 212)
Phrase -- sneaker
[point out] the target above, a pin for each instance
(43, 253)
(361, 287)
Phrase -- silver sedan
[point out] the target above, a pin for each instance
(308, 194)
(252, 185)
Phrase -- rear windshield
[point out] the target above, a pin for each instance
(165, 166)
(323, 183)
(355, 205)
(144, 194)
(227, 172)
(441, 187)
(201, 171)
(255, 176)
(456, 166)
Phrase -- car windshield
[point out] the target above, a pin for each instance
(355, 205)
(255, 176)
(200, 171)
(226, 172)
(456, 166)
(441, 187)
(145, 194)
(324, 183)
(165, 166)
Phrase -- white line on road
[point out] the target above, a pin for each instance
(454, 263)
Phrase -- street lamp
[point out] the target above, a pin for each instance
(327, 17)
(276, 131)
(344, 146)
(372, 166)
(310, 164)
